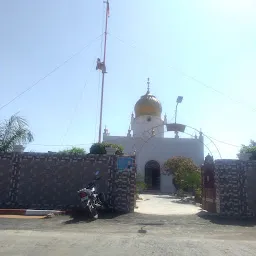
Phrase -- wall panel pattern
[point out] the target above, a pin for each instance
(51, 181)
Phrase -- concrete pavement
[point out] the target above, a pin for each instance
(172, 234)
(109, 243)
(165, 205)
(168, 235)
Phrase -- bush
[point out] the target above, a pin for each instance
(73, 151)
(100, 148)
(198, 195)
(180, 193)
(140, 185)
(251, 148)
(185, 173)
(192, 180)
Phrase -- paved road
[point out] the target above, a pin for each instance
(187, 234)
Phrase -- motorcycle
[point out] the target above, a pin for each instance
(90, 199)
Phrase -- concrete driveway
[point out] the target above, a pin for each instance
(165, 205)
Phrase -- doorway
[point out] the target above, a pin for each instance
(152, 175)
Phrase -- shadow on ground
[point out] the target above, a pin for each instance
(228, 221)
(78, 216)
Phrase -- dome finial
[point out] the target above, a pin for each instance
(148, 82)
(148, 105)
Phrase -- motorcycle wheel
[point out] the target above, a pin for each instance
(93, 211)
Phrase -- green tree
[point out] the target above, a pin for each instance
(251, 148)
(186, 174)
(74, 151)
(14, 131)
(100, 148)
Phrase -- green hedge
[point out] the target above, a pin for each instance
(100, 148)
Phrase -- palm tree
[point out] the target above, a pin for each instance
(14, 131)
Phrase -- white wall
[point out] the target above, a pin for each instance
(141, 127)
(160, 150)
(167, 186)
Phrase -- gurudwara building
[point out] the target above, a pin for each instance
(146, 139)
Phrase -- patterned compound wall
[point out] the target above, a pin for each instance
(234, 191)
(50, 181)
(229, 187)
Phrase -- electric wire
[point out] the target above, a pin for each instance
(59, 145)
(74, 112)
(193, 78)
(77, 105)
(201, 142)
(210, 87)
(226, 143)
(50, 73)
(133, 46)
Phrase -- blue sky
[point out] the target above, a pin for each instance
(213, 41)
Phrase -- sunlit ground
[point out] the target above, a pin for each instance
(165, 205)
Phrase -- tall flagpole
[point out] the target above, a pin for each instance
(103, 69)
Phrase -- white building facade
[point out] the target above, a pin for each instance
(145, 139)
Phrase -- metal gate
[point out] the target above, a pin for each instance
(208, 185)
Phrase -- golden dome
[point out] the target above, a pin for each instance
(148, 104)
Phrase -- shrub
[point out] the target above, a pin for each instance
(73, 151)
(119, 148)
(185, 173)
(140, 185)
(100, 148)
(251, 148)
(180, 193)
(198, 195)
